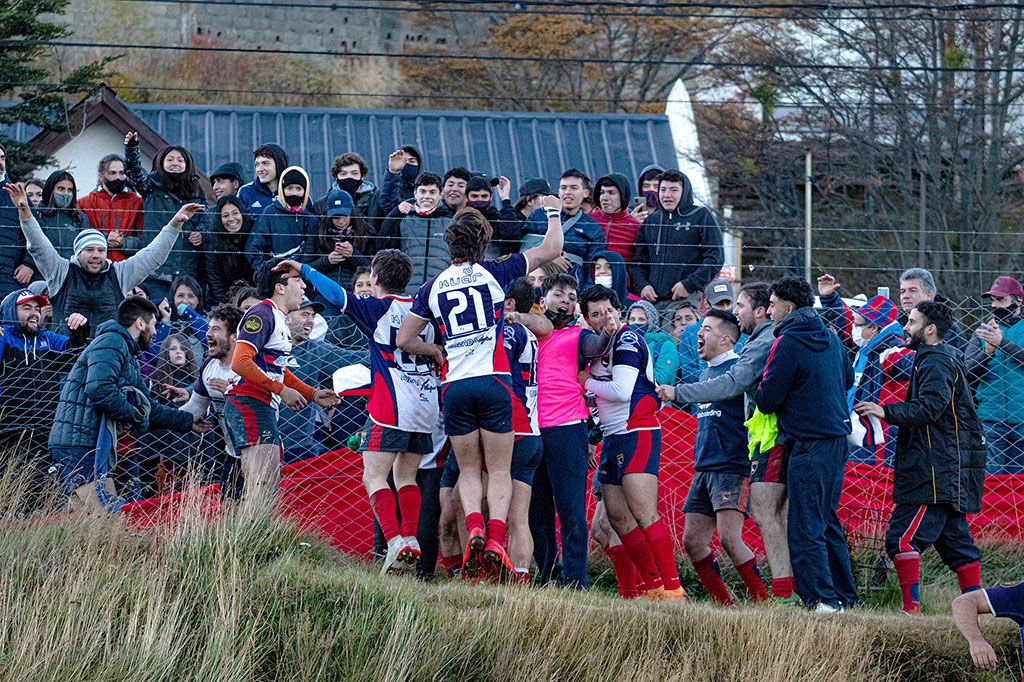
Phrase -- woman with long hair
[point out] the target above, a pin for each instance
(224, 249)
(171, 457)
(58, 212)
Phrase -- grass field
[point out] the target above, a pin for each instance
(88, 599)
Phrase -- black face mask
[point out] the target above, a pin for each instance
(115, 186)
(293, 201)
(1003, 314)
(175, 176)
(350, 185)
(559, 320)
(478, 205)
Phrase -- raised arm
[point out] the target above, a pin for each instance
(551, 247)
(134, 270)
(51, 265)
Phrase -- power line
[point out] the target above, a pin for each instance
(493, 58)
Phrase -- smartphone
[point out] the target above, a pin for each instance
(883, 291)
(636, 202)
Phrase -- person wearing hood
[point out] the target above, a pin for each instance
(224, 258)
(647, 192)
(350, 175)
(57, 213)
(269, 161)
(612, 214)
(995, 361)
(805, 382)
(643, 318)
(227, 180)
(939, 470)
(679, 246)
(609, 269)
(404, 167)
(173, 183)
(16, 266)
(88, 283)
(282, 229)
(113, 208)
(342, 245)
(874, 335)
(583, 236)
(418, 231)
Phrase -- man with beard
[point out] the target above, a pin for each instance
(315, 360)
(939, 469)
(103, 394)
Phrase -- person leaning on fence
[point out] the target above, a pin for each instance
(995, 361)
(939, 470)
(283, 227)
(102, 395)
(416, 229)
(805, 382)
(89, 284)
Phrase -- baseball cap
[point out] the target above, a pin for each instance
(1005, 286)
(339, 202)
(306, 303)
(25, 296)
(535, 186)
(719, 291)
(879, 311)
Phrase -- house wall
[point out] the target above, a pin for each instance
(81, 155)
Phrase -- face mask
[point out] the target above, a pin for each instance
(478, 205)
(558, 319)
(350, 185)
(62, 200)
(115, 186)
(175, 176)
(410, 172)
(603, 280)
(858, 336)
(293, 201)
(1002, 314)
(639, 328)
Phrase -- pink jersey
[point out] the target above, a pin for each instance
(559, 394)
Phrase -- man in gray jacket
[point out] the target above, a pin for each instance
(88, 283)
(768, 500)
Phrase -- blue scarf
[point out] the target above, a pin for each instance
(861, 361)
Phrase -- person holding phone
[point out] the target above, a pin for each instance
(343, 244)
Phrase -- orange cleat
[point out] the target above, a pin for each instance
(472, 560)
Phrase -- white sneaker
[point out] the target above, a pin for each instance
(824, 608)
(395, 547)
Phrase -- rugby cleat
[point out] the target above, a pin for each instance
(497, 560)
(410, 553)
(472, 560)
(397, 547)
(661, 594)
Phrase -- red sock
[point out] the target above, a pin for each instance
(451, 562)
(475, 522)
(409, 505)
(639, 551)
(625, 571)
(496, 530)
(751, 575)
(711, 577)
(641, 585)
(386, 511)
(661, 547)
(782, 587)
(522, 577)
(969, 577)
(908, 572)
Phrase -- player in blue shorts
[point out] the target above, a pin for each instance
(1002, 601)
(403, 397)
(622, 380)
(465, 301)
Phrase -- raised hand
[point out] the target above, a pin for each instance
(827, 284)
(289, 267)
(131, 139)
(185, 214)
(504, 188)
(550, 200)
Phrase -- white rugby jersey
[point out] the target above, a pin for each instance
(466, 302)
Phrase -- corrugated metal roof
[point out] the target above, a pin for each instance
(519, 145)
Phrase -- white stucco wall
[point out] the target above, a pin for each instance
(81, 154)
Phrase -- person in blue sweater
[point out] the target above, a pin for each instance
(720, 489)
(805, 383)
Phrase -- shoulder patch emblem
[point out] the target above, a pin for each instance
(252, 324)
(505, 257)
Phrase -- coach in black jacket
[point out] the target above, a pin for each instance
(940, 458)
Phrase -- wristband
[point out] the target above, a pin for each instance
(552, 212)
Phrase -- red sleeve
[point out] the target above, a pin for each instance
(242, 364)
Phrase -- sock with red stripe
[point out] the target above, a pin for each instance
(639, 551)
(782, 588)
(751, 575)
(908, 572)
(386, 511)
(496, 530)
(969, 577)
(451, 563)
(409, 505)
(661, 547)
(710, 575)
(475, 522)
(625, 571)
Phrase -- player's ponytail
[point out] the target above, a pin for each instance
(468, 235)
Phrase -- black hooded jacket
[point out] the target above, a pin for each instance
(60, 225)
(940, 448)
(681, 245)
(256, 195)
(224, 258)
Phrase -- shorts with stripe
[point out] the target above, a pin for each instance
(377, 438)
(770, 466)
(915, 528)
(477, 403)
(637, 452)
(714, 491)
(250, 421)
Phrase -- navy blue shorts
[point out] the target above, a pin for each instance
(638, 452)
(526, 458)
(477, 403)
(250, 421)
(770, 466)
(377, 438)
(714, 491)
(450, 475)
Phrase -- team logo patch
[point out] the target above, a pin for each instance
(252, 325)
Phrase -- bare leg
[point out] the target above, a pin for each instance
(450, 542)
(641, 492)
(520, 540)
(261, 470)
(405, 467)
(498, 452)
(697, 536)
(730, 534)
(769, 505)
(619, 515)
(467, 454)
(376, 467)
(600, 529)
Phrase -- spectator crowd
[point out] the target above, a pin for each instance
(156, 335)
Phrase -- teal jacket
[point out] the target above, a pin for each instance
(999, 377)
(665, 356)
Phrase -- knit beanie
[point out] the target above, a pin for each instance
(89, 237)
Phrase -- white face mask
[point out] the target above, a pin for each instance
(603, 280)
(858, 336)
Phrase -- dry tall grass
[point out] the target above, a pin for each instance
(243, 599)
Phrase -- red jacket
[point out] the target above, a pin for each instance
(619, 231)
(107, 213)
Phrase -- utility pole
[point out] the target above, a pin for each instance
(807, 216)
